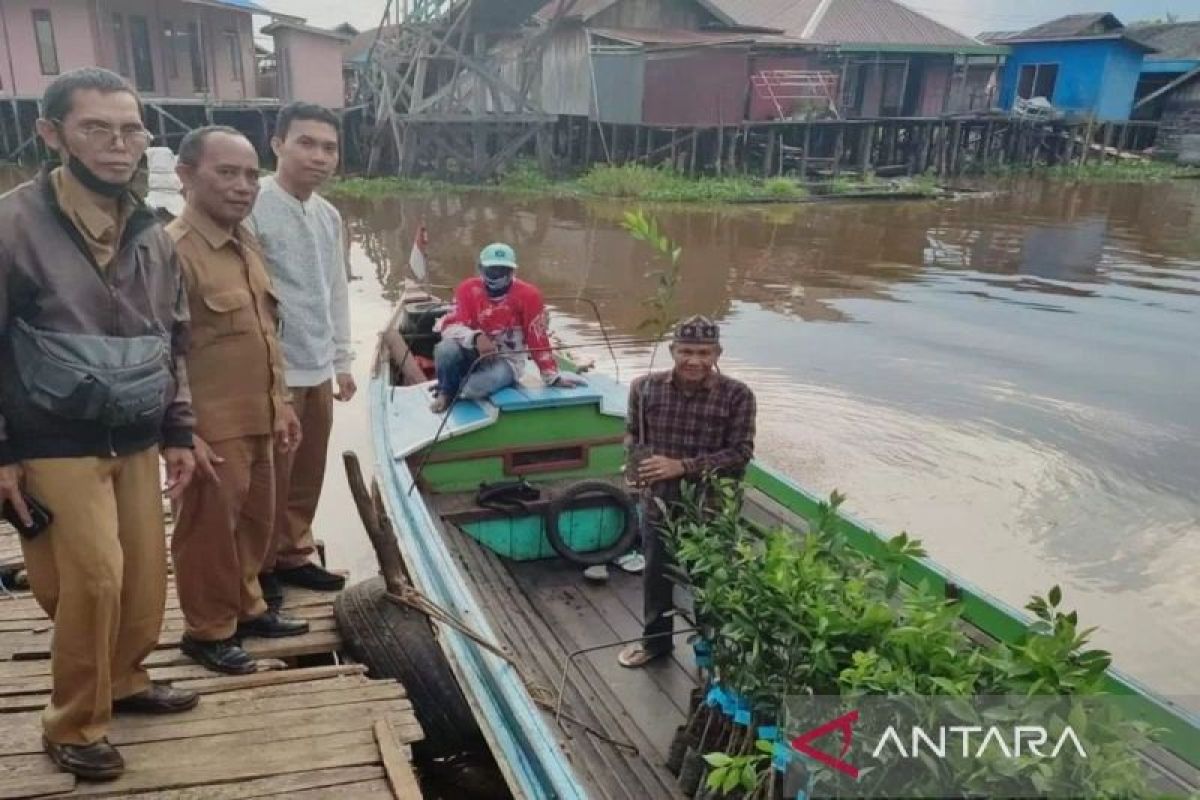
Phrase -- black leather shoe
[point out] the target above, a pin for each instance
(310, 576)
(225, 655)
(272, 625)
(158, 699)
(98, 761)
(272, 590)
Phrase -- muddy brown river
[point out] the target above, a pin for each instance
(1013, 378)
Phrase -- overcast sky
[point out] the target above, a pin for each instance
(968, 16)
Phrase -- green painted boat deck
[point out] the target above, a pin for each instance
(524, 538)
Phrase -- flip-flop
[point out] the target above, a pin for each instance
(636, 655)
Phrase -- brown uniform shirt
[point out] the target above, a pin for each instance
(235, 364)
(101, 231)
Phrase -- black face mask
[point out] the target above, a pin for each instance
(94, 182)
(89, 179)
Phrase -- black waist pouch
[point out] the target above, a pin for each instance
(113, 380)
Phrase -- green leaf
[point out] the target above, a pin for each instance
(749, 775)
(764, 746)
(731, 781)
(718, 760)
(1055, 596)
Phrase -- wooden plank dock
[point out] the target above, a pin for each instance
(288, 730)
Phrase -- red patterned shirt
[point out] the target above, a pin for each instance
(515, 321)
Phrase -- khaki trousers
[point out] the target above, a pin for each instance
(222, 535)
(100, 572)
(299, 477)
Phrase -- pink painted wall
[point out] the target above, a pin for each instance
(704, 86)
(223, 82)
(74, 40)
(310, 68)
(85, 35)
(933, 89)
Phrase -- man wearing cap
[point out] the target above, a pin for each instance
(497, 323)
(690, 423)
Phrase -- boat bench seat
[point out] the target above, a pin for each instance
(523, 397)
(531, 393)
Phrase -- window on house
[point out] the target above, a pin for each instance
(170, 49)
(1037, 80)
(143, 59)
(199, 74)
(235, 53)
(121, 44)
(43, 33)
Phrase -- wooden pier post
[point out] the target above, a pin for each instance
(1087, 144)
(720, 162)
(837, 150)
(569, 125)
(867, 140)
(769, 159)
(943, 149)
(925, 148)
(545, 149)
(4, 135)
(804, 155)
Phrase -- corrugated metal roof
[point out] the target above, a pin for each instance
(995, 37)
(669, 36)
(680, 37)
(789, 16)
(1178, 41)
(883, 22)
(1098, 26)
(584, 9)
(1096, 23)
(298, 26)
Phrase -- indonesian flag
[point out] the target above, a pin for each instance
(416, 259)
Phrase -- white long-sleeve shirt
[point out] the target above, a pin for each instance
(302, 241)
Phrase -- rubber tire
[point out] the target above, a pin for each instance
(566, 500)
(396, 642)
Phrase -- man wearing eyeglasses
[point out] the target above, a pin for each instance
(93, 386)
(498, 322)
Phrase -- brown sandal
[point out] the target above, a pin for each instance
(636, 655)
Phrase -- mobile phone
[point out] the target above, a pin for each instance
(40, 514)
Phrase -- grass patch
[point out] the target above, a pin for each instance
(524, 175)
(662, 185)
(378, 188)
(1125, 171)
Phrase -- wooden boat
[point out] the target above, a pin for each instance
(496, 571)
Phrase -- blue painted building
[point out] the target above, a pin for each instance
(1084, 64)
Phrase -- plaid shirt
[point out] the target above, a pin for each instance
(710, 429)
